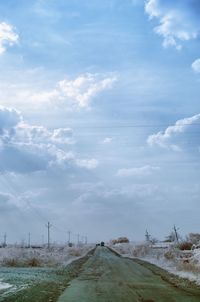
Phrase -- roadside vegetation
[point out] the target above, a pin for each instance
(17, 256)
(178, 255)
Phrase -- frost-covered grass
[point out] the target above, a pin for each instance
(16, 256)
(183, 263)
(20, 281)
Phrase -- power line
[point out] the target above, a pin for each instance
(132, 126)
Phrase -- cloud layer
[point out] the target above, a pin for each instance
(26, 148)
(76, 93)
(196, 66)
(178, 20)
(180, 136)
(140, 172)
(8, 36)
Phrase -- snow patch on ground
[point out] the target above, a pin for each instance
(185, 264)
(172, 268)
(4, 285)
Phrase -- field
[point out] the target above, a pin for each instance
(38, 274)
(50, 275)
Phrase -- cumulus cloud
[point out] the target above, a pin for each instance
(178, 20)
(63, 136)
(8, 36)
(9, 118)
(26, 148)
(85, 87)
(89, 164)
(178, 137)
(78, 92)
(140, 171)
(196, 66)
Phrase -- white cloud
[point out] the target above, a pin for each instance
(84, 88)
(33, 134)
(63, 136)
(9, 118)
(77, 93)
(8, 36)
(196, 66)
(89, 164)
(178, 137)
(26, 148)
(178, 20)
(41, 97)
(107, 140)
(140, 171)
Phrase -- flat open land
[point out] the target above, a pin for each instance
(101, 276)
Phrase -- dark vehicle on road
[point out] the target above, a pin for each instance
(102, 243)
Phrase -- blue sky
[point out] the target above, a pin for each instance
(99, 118)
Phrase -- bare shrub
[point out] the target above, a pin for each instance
(123, 240)
(185, 245)
(120, 240)
(10, 262)
(33, 262)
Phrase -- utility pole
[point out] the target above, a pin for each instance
(176, 233)
(48, 225)
(29, 240)
(4, 240)
(69, 237)
(147, 236)
(86, 240)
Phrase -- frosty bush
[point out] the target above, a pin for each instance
(185, 245)
(120, 240)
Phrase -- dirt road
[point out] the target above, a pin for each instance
(106, 277)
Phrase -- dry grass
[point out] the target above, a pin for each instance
(34, 262)
(74, 252)
(188, 267)
(55, 256)
(141, 251)
(185, 246)
(15, 262)
(10, 262)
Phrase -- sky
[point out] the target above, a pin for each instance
(99, 118)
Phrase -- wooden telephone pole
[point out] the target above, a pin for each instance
(48, 233)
